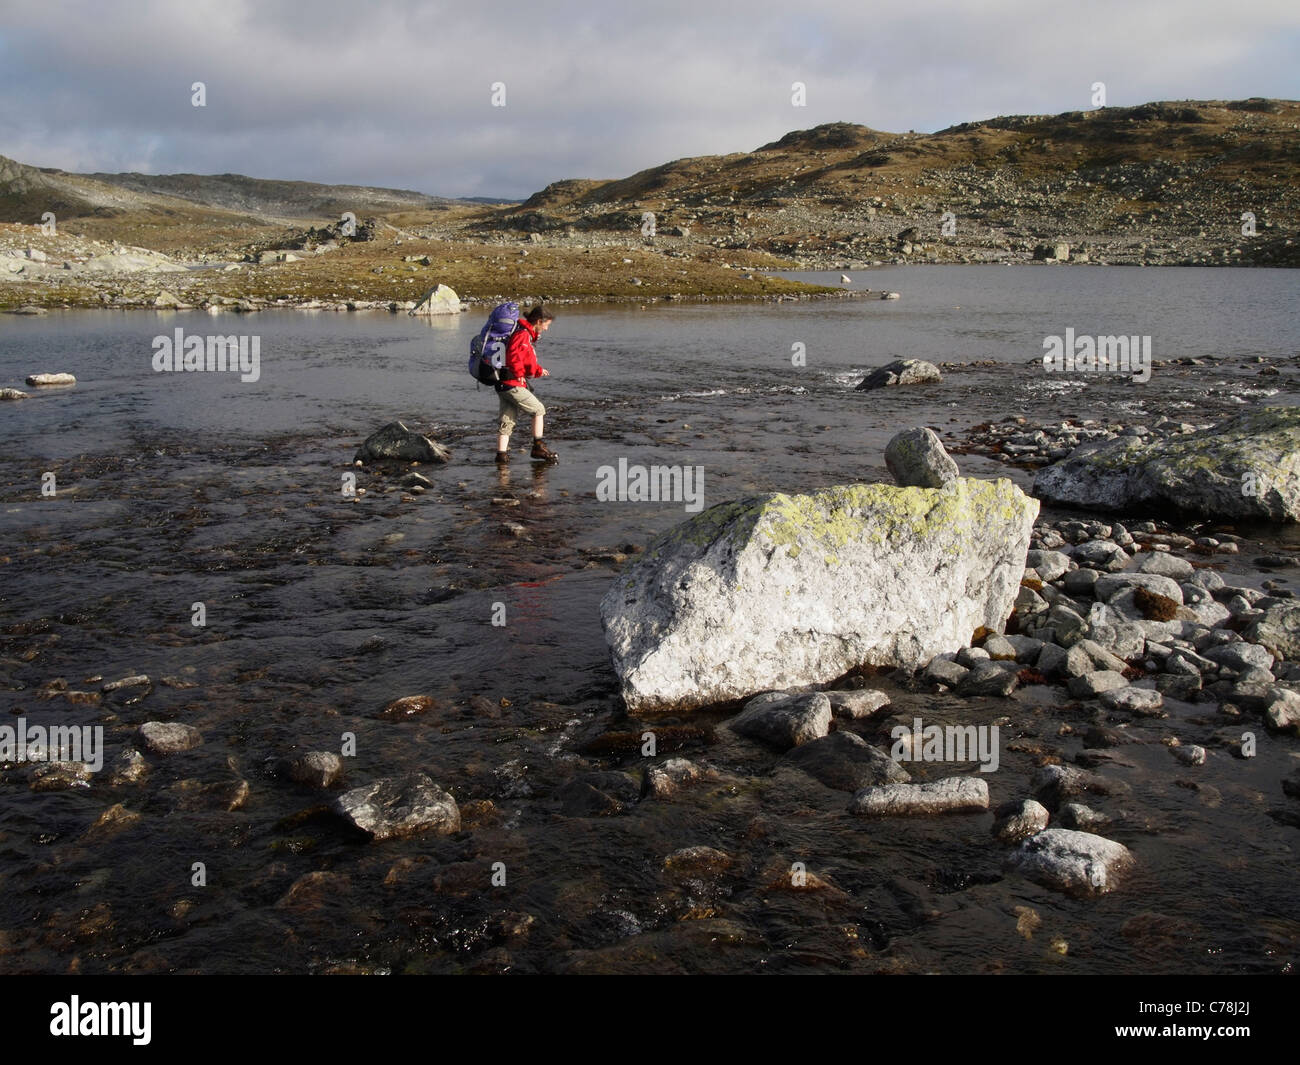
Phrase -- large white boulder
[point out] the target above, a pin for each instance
(778, 591)
(440, 300)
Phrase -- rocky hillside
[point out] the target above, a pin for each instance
(1159, 183)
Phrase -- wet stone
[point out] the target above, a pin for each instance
(989, 678)
(315, 769)
(1090, 684)
(399, 806)
(1073, 862)
(846, 762)
(169, 737)
(1017, 821)
(1141, 701)
(1054, 784)
(784, 720)
(59, 776)
(1084, 818)
(857, 704)
(950, 795)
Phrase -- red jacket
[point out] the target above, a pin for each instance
(521, 359)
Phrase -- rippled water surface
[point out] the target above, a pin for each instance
(176, 489)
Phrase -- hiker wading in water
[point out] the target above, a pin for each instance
(513, 391)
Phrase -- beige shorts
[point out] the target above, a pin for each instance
(517, 401)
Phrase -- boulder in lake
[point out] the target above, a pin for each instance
(916, 457)
(1245, 467)
(1076, 862)
(440, 300)
(46, 380)
(396, 441)
(781, 591)
(399, 806)
(900, 372)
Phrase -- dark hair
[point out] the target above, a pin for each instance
(539, 314)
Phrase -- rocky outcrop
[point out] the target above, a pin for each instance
(778, 591)
(1245, 467)
(900, 372)
(396, 441)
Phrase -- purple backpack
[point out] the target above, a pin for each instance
(487, 351)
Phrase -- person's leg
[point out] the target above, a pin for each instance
(505, 425)
(530, 404)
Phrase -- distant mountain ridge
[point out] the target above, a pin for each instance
(26, 189)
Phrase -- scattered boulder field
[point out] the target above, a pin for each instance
(956, 588)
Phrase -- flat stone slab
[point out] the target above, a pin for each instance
(950, 795)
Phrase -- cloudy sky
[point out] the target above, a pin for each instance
(400, 92)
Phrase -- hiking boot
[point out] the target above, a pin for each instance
(542, 453)
(503, 458)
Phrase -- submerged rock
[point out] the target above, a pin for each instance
(396, 441)
(779, 591)
(847, 762)
(1245, 467)
(315, 769)
(399, 806)
(916, 457)
(1072, 861)
(950, 795)
(900, 372)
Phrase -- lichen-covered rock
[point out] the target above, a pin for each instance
(1070, 861)
(399, 806)
(1245, 467)
(916, 457)
(396, 441)
(780, 591)
(900, 372)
